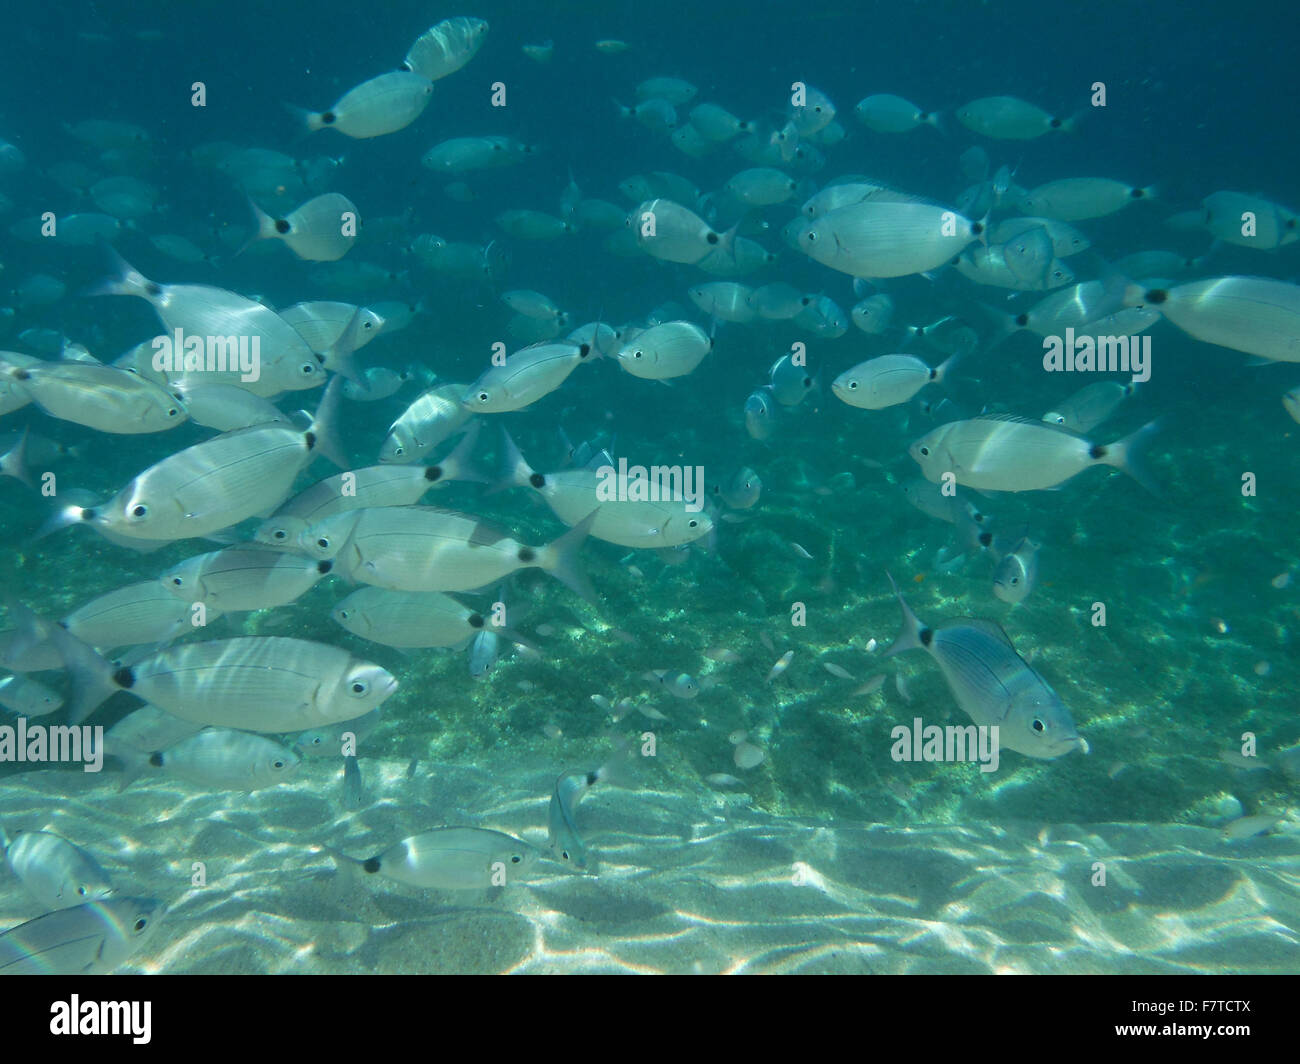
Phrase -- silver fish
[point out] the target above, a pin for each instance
(452, 859)
(55, 872)
(993, 684)
(91, 939)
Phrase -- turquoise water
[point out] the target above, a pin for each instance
(801, 851)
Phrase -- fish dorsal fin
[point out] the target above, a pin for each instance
(1018, 419)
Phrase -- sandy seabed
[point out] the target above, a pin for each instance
(700, 882)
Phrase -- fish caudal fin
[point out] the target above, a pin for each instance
(324, 426)
(1127, 455)
(909, 636)
(92, 676)
(560, 559)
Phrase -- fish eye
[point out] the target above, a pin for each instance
(177, 582)
(636, 354)
(82, 891)
(307, 369)
(564, 854)
(359, 688)
(1015, 580)
(853, 386)
(140, 924)
(323, 543)
(140, 510)
(693, 524)
(173, 412)
(280, 533)
(482, 397)
(925, 452)
(277, 764)
(515, 858)
(1038, 726)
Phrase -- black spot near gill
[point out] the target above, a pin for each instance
(926, 636)
(433, 472)
(372, 865)
(527, 554)
(124, 677)
(475, 620)
(537, 480)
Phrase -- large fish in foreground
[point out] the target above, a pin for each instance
(993, 684)
(91, 939)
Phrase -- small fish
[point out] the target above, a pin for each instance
(1010, 118)
(1247, 827)
(782, 663)
(1090, 406)
(225, 759)
(992, 684)
(801, 552)
(26, 697)
(679, 685)
(742, 491)
(722, 654)
(450, 859)
(837, 670)
(318, 231)
(446, 47)
(887, 380)
(354, 790)
(722, 779)
(760, 414)
(377, 107)
(746, 755)
(563, 840)
(874, 684)
(1017, 573)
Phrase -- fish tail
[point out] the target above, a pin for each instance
(560, 559)
(1004, 324)
(514, 471)
(92, 676)
(459, 465)
(940, 121)
(1127, 455)
(944, 368)
(265, 227)
(308, 121)
(14, 464)
(909, 636)
(127, 281)
(338, 356)
(324, 426)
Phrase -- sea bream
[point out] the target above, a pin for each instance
(56, 872)
(887, 380)
(99, 397)
(1007, 453)
(413, 618)
(285, 361)
(90, 939)
(887, 238)
(254, 683)
(1255, 315)
(525, 377)
(381, 485)
(377, 107)
(451, 859)
(617, 515)
(424, 548)
(992, 684)
(434, 415)
(216, 483)
(445, 47)
(245, 577)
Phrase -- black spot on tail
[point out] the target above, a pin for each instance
(1055, 123)
(1138, 193)
(124, 677)
(21, 375)
(327, 117)
(372, 865)
(152, 289)
(584, 350)
(527, 555)
(1022, 320)
(977, 228)
(281, 226)
(713, 238)
(926, 635)
(1097, 453)
(156, 759)
(593, 778)
(433, 472)
(476, 620)
(310, 437)
(986, 539)
(1156, 296)
(537, 480)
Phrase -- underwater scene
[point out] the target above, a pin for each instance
(596, 488)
